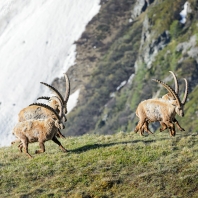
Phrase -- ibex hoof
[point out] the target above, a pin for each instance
(38, 151)
(65, 150)
(173, 134)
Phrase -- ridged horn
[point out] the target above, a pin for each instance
(176, 82)
(186, 92)
(170, 90)
(54, 90)
(64, 119)
(47, 107)
(67, 92)
(43, 97)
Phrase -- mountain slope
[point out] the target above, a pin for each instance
(126, 45)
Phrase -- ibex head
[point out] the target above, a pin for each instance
(179, 106)
(58, 94)
(57, 117)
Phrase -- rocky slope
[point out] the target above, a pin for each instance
(123, 47)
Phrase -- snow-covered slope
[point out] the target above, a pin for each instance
(36, 44)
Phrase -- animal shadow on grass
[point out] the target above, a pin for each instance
(96, 146)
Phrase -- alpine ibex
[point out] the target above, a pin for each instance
(161, 110)
(39, 112)
(40, 130)
(167, 96)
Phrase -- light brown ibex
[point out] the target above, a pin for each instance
(39, 112)
(161, 110)
(167, 96)
(40, 130)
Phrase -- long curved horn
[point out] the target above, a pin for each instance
(43, 97)
(176, 82)
(67, 93)
(49, 98)
(186, 92)
(54, 90)
(47, 107)
(170, 90)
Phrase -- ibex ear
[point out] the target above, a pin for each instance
(54, 118)
(174, 102)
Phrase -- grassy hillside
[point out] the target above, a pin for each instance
(120, 165)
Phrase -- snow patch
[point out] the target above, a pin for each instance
(121, 85)
(184, 12)
(130, 80)
(73, 100)
(36, 44)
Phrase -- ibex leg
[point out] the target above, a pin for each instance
(25, 146)
(54, 139)
(59, 134)
(20, 146)
(16, 141)
(178, 125)
(163, 126)
(140, 126)
(42, 146)
(145, 127)
(171, 127)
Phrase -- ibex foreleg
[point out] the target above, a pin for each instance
(178, 125)
(42, 146)
(55, 140)
(171, 127)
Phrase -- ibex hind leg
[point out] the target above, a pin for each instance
(136, 128)
(146, 128)
(42, 146)
(163, 126)
(55, 140)
(16, 141)
(140, 127)
(25, 146)
(20, 146)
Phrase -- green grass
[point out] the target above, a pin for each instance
(120, 165)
